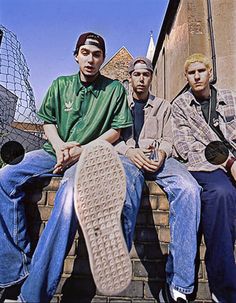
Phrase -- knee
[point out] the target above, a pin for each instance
(223, 196)
(220, 190)
(133, 174)
(189, 186)
(5, 178)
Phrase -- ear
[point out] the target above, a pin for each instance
(210, 72)
(185, 76)
(76, 59)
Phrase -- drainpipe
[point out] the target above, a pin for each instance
(212, 40)
(1, 35)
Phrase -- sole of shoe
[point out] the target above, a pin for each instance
(100, 190)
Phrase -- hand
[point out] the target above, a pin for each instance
(233, 171)
(67, 154)
(161, 156)
(139, 157)
(62, 150)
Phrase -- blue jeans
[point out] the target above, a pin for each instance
(218, 222)
(43, 272)
(183, 194)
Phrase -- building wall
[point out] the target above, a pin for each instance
(224, 23)
(188, 34)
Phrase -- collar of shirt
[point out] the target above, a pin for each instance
(93, 88)
(150, 101)
(192, 99)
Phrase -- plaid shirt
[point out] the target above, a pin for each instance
(192, 133)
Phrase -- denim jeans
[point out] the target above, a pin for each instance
(43, 272)
(218, 223)
(183, 194)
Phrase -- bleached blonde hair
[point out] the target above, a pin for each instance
(197, 57)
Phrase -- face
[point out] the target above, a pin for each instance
(140, 81)
(90, 58)
(198, 77)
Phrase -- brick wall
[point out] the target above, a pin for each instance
(148, 254)
(117, 66)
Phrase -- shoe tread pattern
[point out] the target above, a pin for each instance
(100, 193)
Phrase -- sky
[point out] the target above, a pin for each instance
(48, 30)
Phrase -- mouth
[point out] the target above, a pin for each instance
(89, 68)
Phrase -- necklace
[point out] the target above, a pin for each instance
(209, 113)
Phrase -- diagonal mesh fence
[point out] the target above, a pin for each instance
(18, 120)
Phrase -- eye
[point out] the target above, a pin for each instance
(192, 72)
(202, 70)
(84, 52)
(97, 54)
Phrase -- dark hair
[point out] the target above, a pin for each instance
(82, 39)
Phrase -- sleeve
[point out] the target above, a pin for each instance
(182, 134)
(121, 115)
(166, 142)
(121, 145)
(47, 111)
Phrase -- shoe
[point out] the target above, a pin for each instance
(2, 294)
(100, 191)
(214, 298)
(165, 296)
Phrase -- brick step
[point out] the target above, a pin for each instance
(148, 254)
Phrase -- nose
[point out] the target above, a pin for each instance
(90, 58)
(141, 78)
(197, 75)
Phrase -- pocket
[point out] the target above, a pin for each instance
(151, 127)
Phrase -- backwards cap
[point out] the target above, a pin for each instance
(140, 62)
(90, 39)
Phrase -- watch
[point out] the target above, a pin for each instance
(229, 163)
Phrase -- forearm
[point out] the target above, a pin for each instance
(52, 135)
(112, 135)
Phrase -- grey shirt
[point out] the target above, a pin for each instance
(157, 126)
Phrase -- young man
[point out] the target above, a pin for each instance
(148, 146)
(76, 110)
(202, 115)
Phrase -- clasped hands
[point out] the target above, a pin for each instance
(67, 154)
(140, 157)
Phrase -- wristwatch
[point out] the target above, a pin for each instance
(229, 163)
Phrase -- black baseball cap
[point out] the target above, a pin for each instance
(90, 39)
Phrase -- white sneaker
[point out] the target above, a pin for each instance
(214, 299)
(100, 190)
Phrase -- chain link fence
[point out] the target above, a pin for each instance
(18, 120)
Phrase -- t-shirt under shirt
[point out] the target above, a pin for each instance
(138, 118)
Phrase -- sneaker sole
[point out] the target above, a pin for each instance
(100, 190)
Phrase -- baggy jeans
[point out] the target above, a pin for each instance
(218, 223)
(43, 272)
(183, 194)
